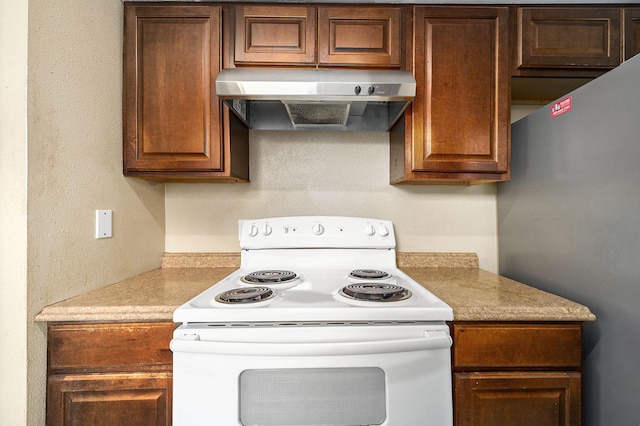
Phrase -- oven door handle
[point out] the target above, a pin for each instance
(192, 343)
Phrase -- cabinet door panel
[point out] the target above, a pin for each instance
(461, 111)
(631, 32)
(275, 35)
(172, 119)
(518, 399)
(110, 399)
(568, 37)
(359, 36)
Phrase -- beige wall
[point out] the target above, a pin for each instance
(522, 110)
(63, 133)
(13, 212)
(334, 174)
(345, 174)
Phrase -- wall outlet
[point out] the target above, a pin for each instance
(104, 223)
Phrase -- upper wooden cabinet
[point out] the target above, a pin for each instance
(175, 128)
(317, 36)
(631, 34)
(556, 49)
(568, 38)
(275, 35)
(573, 41)
(458, 131)
(361, 36)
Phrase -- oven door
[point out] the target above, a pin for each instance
(302, 375)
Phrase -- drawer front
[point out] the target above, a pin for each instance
(516, 346)
(109, 347)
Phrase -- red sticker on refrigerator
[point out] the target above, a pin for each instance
(561, 107)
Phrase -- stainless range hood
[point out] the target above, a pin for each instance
(312, 99)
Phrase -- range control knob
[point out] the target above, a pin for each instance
(266, 230)
(252, 231)
(317, 229)
(383, 231)
(369, 229)
(371, 90)
(357, 90)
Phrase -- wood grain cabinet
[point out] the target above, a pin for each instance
(573, 41)
(458, 131)
(556, 49)
(109, 374)
(517, 374)
(507, 374)
(631, 33)
(318, 36)
(175, 127)
(574, 38)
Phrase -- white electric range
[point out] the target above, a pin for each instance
(318, 326)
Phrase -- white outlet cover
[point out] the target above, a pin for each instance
(104, 220)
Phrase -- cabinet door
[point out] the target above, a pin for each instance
(461, 111)
(110, 399)
(574, 38)
(517, 399)
(631, 31)
(360, 36)
(172, 120)
(275, 35)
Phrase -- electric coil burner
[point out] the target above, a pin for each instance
(374, 292)
(245, 295)
(269, 277)
(332, 343)
(369, 274)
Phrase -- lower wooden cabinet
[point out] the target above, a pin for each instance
(109, 374)
(517, 374)
(517, 398)
(504, 374)
(110, 399)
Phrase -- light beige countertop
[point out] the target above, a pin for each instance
(474, 294)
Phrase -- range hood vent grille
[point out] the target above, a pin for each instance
(316, 113)
(306, 99)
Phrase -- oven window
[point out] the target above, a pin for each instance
(313, 396)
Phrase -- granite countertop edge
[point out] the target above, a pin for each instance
(473, 293)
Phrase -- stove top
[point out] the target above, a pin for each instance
(320, 269)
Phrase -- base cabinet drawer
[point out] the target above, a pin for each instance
(517, 345)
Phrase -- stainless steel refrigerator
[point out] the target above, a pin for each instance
(569, 223)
